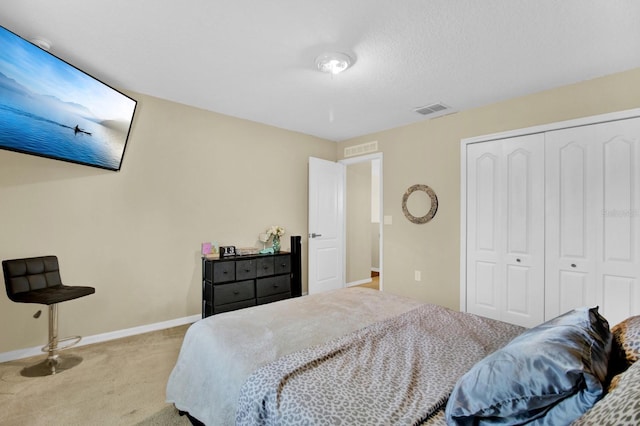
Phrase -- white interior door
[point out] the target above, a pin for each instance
(326, 225)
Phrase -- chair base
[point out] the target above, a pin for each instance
(49, 367)
(55, 363)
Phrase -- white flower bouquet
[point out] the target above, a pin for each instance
(275, 231)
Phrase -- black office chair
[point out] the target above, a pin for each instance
(37, 280)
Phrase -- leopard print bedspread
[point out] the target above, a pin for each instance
(399, 371)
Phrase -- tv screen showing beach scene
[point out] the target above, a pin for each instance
(52, 109)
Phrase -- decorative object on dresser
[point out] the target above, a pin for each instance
(264, 238)
(276, 232)
(236, 282)
(244, 251)
(206, 249)
(210, 250)
(226, 251)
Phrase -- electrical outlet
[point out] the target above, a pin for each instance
(417, 275)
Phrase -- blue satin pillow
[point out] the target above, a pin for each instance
(550, 374)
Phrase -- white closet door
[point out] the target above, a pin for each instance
(505, 222)
(592, 235)
(524, 224)
(484, 231)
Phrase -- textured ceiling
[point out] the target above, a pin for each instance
(255, 59)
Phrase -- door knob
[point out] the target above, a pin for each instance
(314, 235)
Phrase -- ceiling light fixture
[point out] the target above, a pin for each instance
(42, 43)
(333, 63)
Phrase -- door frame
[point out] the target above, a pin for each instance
(356, 160)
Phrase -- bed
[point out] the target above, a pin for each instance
(359, 356)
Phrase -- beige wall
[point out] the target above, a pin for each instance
(358, 218)
(429, 153)
(188, 176)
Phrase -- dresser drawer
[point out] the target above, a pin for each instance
(224, 271)
(282, 264)
(273, 298)
(265, 266)
(245, 269)
(273, 285)
(234, 292)
(233, 306)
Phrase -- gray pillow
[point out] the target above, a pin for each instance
(550, 374)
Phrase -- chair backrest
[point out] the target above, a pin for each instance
(34, 273)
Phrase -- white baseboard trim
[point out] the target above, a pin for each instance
(354, 283)
(104, 337)
(375, 270)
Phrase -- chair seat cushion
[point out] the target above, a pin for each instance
(51, 295)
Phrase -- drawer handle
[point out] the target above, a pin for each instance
(224, 272)
(247, 270)
(518, 260)
(283, 264)
(275, 286)
(236, 292)
(573, 265)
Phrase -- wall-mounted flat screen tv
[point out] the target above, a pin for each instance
(52, 109)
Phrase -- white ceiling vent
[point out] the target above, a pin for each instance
(364, 148)
(438, 108)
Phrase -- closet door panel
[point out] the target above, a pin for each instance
(573, 291)
(523, 204)
(487, 205)
(519, 284)
(573, 186)
(619, 271)
(486, 291)
(505, 222)
(619, 201)
(572, 170)
(620, 298)
(483, 229)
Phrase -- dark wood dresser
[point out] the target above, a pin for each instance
(238, 282)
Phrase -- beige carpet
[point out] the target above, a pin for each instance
(374, 284)
(120, 382)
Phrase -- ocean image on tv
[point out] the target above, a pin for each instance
(49, 108)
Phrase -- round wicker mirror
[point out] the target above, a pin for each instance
(432, 211)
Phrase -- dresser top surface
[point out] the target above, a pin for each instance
(245, 256)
